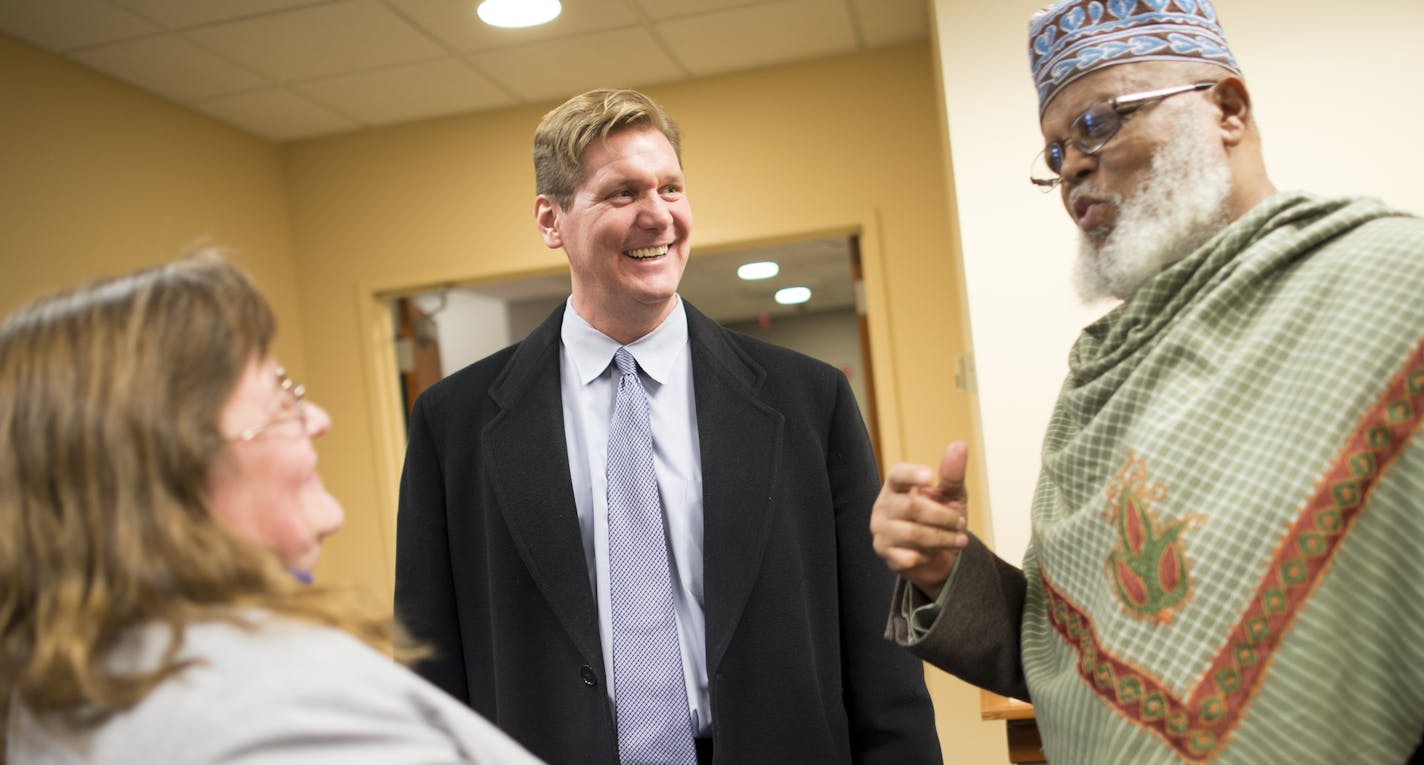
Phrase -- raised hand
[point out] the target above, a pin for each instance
(919, 519)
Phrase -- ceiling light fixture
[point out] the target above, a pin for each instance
(514, 14)
(754, 271)
(793, 295)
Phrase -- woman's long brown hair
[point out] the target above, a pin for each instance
(109, 402)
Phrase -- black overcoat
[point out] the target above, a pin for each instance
(490, 568)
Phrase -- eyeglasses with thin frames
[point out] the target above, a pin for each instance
(293, 410)
(1097, 125)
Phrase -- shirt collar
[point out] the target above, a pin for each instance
(592, 351)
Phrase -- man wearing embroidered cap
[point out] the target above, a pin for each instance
(1225, 560)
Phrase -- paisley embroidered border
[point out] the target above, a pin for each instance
(1199, 725)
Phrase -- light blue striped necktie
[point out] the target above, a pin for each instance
(650, 697)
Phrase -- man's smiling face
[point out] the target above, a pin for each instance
(626, 230)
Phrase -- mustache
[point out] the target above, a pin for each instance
(1090, 190)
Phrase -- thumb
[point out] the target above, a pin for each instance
(951, 471)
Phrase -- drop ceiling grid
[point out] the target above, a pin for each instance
(290, 69)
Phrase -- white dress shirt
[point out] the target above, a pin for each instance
(589, 382)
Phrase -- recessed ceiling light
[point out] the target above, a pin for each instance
(793, 295)
(518, 13)
(762, 270)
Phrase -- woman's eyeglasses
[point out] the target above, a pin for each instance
(293, 410)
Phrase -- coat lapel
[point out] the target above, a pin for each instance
(525, 446)
(740, 438)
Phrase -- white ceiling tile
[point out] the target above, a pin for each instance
(670, 9)
(885, 22)
(66, 25)
(181, 14)
(319, 41)
(759, 35)
(454, 22)
(562, 68)
(171, 67)
(408, 92)
(276, 114)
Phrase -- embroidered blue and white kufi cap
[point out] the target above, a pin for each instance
(1071, 38)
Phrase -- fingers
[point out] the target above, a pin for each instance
(912, 493)
(945, 532)
(925, 509)
(927, 570)
(922, 541)
(918, 522)
(915, 520)
(919, 503)
(904, 476)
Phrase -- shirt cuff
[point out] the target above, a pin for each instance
(920, 612)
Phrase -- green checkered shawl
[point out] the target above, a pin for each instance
(1229, 523)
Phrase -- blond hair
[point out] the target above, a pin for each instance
(565, 132)
(109, 402)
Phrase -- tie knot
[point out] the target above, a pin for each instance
(626, 363)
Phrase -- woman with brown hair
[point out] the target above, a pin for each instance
(159, 512)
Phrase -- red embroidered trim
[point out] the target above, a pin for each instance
(1199, 725)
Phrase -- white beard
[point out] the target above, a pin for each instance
(1180, 204)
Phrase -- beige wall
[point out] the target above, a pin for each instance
(97, 178)
(1335, 94)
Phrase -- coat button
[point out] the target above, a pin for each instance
(589, 678)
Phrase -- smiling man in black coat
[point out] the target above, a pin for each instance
(765, 478)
